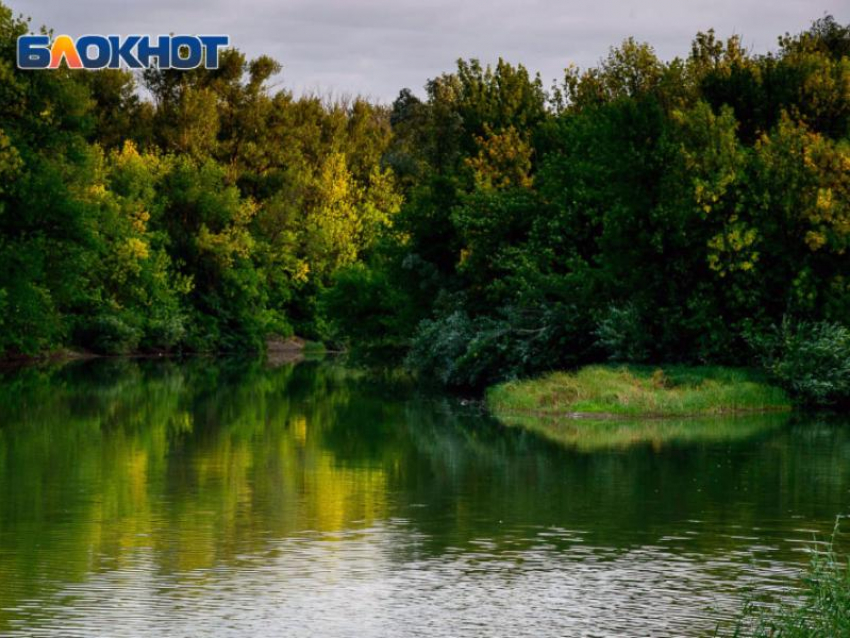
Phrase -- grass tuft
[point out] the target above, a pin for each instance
(823, 612)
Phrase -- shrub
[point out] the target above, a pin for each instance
(110, 334)
(164, 331)
(623, 336)
(461, 351)
(438, 345)
(810, 360)
(365, 311)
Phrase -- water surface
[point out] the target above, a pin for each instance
(228, 499)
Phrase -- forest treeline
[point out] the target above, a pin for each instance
(642, 210)
(201, 216)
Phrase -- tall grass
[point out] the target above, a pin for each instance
(639, 391)
(823, 612)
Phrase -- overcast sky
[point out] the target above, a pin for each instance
(376, 47)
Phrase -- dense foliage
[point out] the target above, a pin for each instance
(810, 360)
(206, 217)
(639, 211)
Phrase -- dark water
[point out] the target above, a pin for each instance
(210, 499)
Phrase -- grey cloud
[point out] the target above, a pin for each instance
(376, 47)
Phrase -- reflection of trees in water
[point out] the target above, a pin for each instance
(484, 473)
(196, 462)
(203, 461)
(589, 435)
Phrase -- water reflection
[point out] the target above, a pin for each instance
(209, 498)
(589, 434)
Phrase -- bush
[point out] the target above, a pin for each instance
(464, 352)
(622, 334)
(438, 346)
(164, 332)
(811, 361)
(110, 334)
(365, 310)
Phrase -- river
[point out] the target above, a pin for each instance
(225, 498)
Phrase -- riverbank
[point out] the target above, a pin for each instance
(604, 391)
(278, 350)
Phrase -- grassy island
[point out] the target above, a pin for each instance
(638, 391)
(605, 407)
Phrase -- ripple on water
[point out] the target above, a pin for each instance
(351, 583)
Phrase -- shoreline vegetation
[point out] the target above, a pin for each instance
(493, 225)
(277, 351)
(823, 606)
